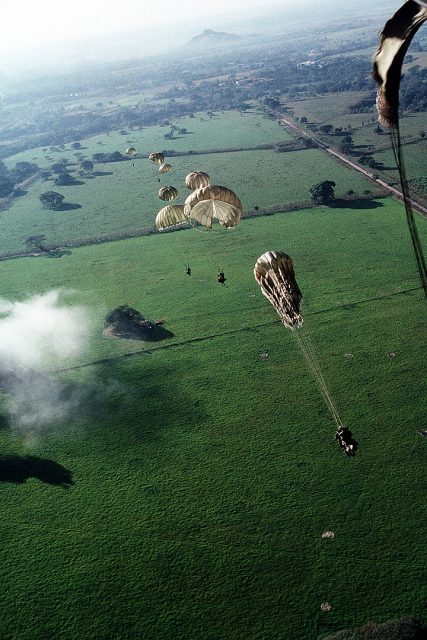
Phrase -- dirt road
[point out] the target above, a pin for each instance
(293, 128)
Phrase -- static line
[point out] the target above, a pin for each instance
(314, 366)
(416, 243)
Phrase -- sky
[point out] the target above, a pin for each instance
(46, 33)
(27, 24)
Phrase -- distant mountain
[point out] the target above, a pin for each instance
(211, 38)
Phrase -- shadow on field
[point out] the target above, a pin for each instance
(69, 206)
(147, 402)
(58, 253)
(102, 173)
(17, 469)
(356, 204)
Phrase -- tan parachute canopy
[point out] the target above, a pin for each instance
(165, 168)
(214, 201)
(130, 151)
(157, 157)
(387, 71)
(274, 272)
(170, 216)
(388, 59)
(197, 180)
(168, 193)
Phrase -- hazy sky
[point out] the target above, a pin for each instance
(27, 24)
(48, 33)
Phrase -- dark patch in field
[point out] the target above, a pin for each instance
(150, 490)
(147, 403)
(17, 469)
(58, 253)
(356, 204)
(69, 206)
(102, 173)
(125, 322)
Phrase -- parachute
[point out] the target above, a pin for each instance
(388, 59)
(131, 151)
(168, 193)
(214, 201)
(197, 180)
(157, 157)
(170, 216)
(387, 71)
(165, 168)
(274, 272)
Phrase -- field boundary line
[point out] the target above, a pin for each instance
(183, 343)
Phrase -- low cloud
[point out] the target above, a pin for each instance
(39, 334)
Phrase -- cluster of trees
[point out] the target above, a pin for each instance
(51, 200)
(10, 178)
(323, 192)
(114, 156)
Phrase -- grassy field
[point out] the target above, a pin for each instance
(206, 475)
(224, 130)
(125, 198)
(326, 108)
(333, 109)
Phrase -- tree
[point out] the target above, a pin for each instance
(36, 243)
(86, 165)
(51, 199)
(326, 128)
(323, 192)
(59, 167)
(24, 170)
(64, 178)
(6, 186)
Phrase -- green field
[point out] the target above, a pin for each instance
(335, 110)
(204, 475)
(224, 130)
(125, 198)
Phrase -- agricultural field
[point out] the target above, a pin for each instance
(124, 196)
(413, 126)
(325, 109)
(334, 110)
(415, 163)
(223, 130)
(186, 495)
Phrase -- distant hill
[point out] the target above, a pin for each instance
(211, 38)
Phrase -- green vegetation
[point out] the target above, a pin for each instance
(123, 198)
(223, 130)
(204, 474)
(185, 494)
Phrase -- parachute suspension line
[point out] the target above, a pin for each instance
(197, 228)
(416, 243)
(307, 349)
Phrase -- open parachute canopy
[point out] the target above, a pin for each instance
(165, 168)
(131, 151)
(170, 216)
(214, 202)
(388, 59)
(274, 272)
(157, 157)
(168, 193)
(197, 180)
